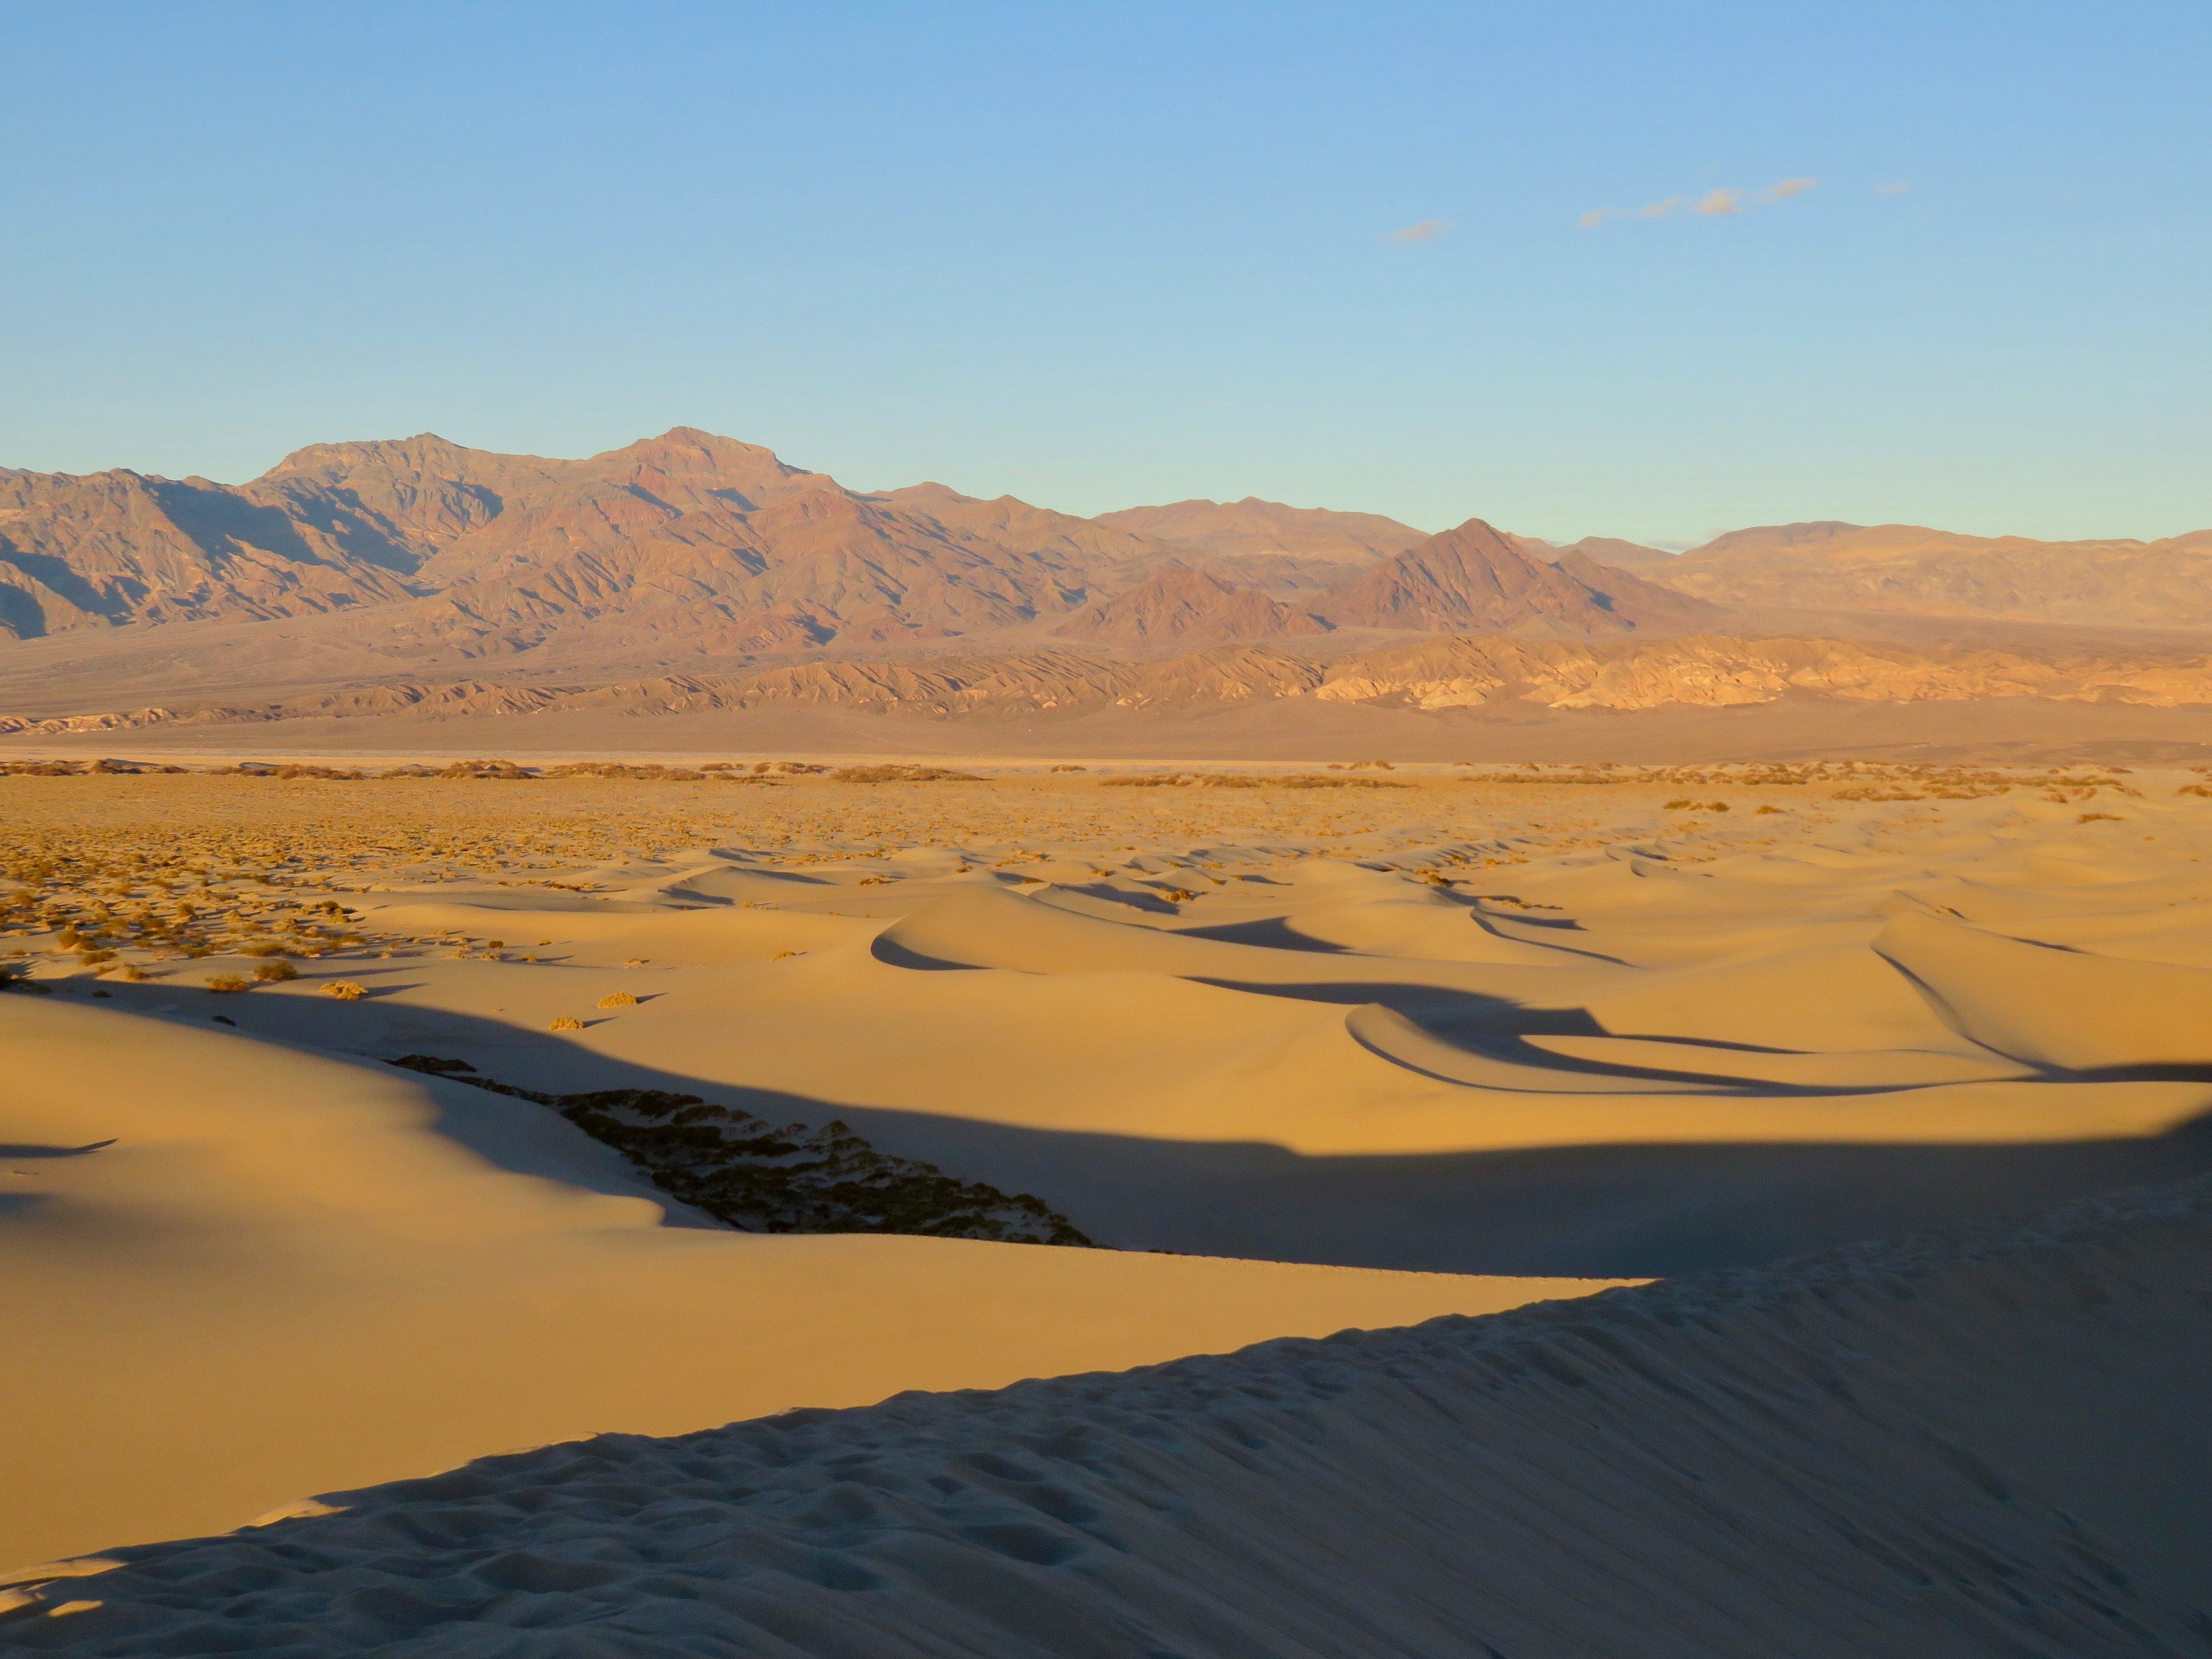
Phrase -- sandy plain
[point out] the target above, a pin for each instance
(1343, 1048)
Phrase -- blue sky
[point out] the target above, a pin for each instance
(1095, 255)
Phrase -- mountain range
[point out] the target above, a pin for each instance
(351, 566)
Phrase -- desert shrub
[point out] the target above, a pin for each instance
(14, 976)
(485, 769)
(1247, 780)
(129, 972)
(345, 990)
(566, 1023)
(647, 770)
(2092, 817)
(263, 948)
(746, 1172)
(226, 983)
(619, 1000)
(271, 973)
(895, 774)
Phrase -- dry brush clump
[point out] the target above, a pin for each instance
(345, 990)
(745, 1171)
(1248, 781)
(898, 774)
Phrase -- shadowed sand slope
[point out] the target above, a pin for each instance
(249, 1271)
(1987, 1443)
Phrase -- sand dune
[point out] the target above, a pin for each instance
(249, 1272)
(1519, 1034)
(1981, 1445)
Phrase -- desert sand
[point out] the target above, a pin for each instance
(1350, 1046)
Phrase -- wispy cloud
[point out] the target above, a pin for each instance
(1651, 210)
(1897, 189)
(1714, 204)
(1427, 231)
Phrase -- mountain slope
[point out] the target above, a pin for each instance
(1625, 556)
(1472, 580)
(416, 559)
(1905, 567)
(702, 544)
(1282, 550)
(116, 547)
(414, 496)
(1193, 607)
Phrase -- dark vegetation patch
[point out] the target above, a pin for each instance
(744, 1170)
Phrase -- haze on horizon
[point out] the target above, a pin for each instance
(1598, 271)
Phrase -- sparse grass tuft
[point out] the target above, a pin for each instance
(566, 1023)
(226, 983)
(619, 1000)
(273, 972)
